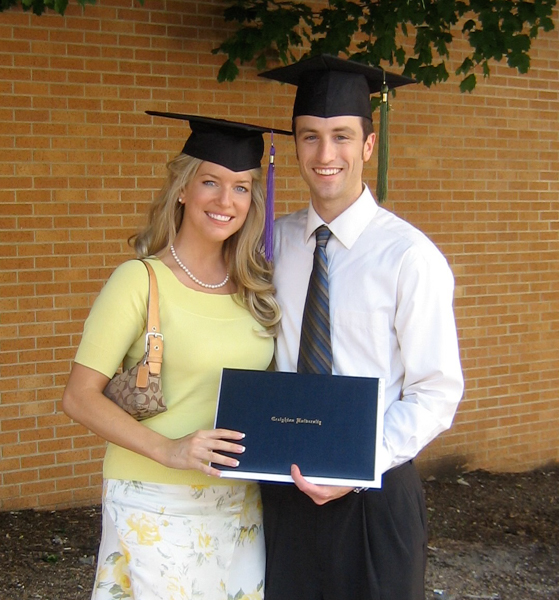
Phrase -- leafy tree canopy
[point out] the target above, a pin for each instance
(39, 6)
(373, 31)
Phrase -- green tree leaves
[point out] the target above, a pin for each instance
(496, 30)
(40, 6)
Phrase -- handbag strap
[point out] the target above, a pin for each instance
(154, 338)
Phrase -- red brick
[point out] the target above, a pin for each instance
(81, 162)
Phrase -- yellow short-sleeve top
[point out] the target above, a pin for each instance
(203, 333)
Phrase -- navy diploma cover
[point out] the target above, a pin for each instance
(329, 425)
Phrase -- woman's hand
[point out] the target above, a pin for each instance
(83, 401)
(196, 450)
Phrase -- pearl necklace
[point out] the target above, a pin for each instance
(210, 286)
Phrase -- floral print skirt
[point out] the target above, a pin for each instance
(180, 542)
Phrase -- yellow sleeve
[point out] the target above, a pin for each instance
(116, 324)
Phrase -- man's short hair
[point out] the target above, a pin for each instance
(368, 128)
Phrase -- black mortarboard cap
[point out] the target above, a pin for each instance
(328, 86)
(236, 146)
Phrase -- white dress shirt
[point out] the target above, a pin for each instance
(391, 293)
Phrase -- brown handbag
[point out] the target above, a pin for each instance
(138, 390)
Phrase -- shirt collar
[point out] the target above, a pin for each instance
(348, 226)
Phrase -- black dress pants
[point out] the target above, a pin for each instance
(366, 546)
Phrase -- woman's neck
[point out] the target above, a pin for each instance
(201, 267)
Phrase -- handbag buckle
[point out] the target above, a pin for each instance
(151, 334)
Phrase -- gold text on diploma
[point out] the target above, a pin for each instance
(297, 420)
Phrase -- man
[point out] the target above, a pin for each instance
(391, 316)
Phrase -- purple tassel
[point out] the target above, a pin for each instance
(269, 223)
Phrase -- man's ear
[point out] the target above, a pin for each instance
(368, 147)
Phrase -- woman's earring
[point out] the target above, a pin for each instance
(180, 200)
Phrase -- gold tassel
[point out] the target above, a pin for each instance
(382, 171)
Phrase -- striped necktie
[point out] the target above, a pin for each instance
(315, 350)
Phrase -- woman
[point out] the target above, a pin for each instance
(172, 529)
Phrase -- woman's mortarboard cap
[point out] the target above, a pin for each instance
(236, 146)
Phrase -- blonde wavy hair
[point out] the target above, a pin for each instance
(248, 269)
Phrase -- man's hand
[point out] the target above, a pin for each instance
(319, 494)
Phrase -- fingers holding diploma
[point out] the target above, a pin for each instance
(319, 494)
(197, 450)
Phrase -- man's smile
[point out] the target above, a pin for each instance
(329, 171)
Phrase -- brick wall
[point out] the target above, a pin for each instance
(80, 161)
